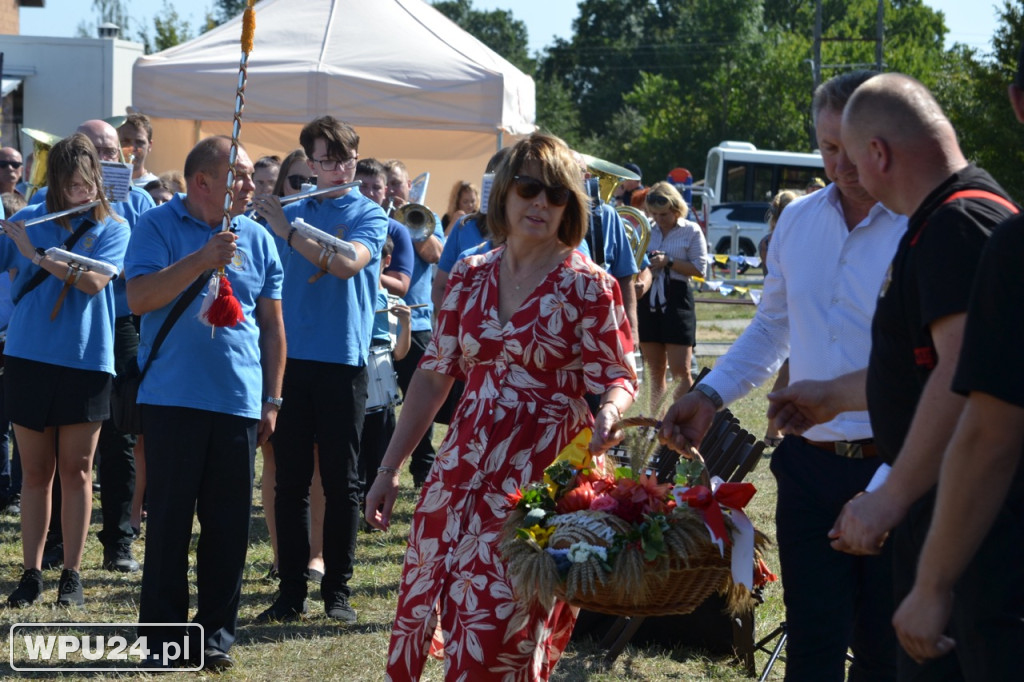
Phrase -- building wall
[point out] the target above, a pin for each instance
(9, 20)
(68, 80)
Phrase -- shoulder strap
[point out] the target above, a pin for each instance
(595, 235)
(179, 307)
(42, 274)
(971, 194)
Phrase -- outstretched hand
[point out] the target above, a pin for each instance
(801, 405)
(686, 422)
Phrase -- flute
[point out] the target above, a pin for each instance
(317, 191)
(410, 307)
(59, 214)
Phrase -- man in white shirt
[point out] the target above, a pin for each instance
(827, 261)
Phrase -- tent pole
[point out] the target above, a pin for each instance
(501, 140)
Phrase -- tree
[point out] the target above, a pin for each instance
(497, 29)
(107, 11)
(972, 92)
(169, 30)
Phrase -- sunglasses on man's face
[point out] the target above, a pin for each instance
(296, 181)
(528, 188)
(10, 164)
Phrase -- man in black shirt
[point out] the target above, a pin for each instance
(907, 156)
(971, 557)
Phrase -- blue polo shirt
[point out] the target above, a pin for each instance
(330, 320)
(139, 201)
(192, 368)
(82, 335)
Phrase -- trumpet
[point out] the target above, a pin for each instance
(419, 219)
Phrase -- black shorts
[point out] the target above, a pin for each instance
(39, 394)
(676, 323)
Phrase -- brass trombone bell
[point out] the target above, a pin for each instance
(419, 219)
(608, 175)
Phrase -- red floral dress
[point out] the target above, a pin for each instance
(522, 404)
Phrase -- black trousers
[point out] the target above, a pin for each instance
(116, 451)
(834, 601)
(324, 403)
(987, 621)
(423, 455)
(198, 463)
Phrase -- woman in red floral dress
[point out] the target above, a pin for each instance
(530, 327)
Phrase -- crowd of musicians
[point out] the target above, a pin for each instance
(514, 320)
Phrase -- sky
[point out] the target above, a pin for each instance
(971, 23)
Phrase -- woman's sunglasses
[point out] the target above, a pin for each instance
(296, 181)
(657, 200)
(528, 188)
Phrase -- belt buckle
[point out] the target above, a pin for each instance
(850, 450)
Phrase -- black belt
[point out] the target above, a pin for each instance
(856, 449)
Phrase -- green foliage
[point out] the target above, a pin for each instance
(497, 29)
(169, 30)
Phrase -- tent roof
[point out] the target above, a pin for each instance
(381, 63)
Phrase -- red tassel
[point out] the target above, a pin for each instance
(226, 311)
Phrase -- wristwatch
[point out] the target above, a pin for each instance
(276, 402)
(711, 394)
(671, 262)
(40, 255)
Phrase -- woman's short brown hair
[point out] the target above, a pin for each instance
(558, 169)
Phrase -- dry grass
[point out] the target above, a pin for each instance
(318, 649)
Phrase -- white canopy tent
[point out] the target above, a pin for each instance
(413, 84)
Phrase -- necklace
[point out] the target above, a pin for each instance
(521, 278)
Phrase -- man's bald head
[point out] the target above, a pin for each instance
(899, 139)
(896, 107)
(104, 137)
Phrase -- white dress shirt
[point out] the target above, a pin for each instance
(817, 304)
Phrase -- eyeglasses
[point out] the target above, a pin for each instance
(528, 188)
(296, 181)
(331, 165)
(108, 153)
(657, 200)
(10, 164)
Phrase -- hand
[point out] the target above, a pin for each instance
(18, 234)
(268, 422)
(268, 207)
(801, 405)
(402, 312)
(686, 422)
(219, 251)
(865, 522)
(381, 500)
(920, 620)
(605, 434)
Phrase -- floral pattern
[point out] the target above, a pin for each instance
(522, 404)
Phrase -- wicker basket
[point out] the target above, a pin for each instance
(671, 585)
(673, 590)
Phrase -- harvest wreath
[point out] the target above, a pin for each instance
(616, 540)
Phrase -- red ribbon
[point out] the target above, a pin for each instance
(731, 495)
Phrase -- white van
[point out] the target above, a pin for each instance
(742, 180)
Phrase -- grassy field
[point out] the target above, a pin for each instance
(319, 649)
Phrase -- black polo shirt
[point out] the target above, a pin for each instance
(931, 277)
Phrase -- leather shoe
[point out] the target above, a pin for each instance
(119, 558)
(283, 610)
(216, 660)
(53, 555)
